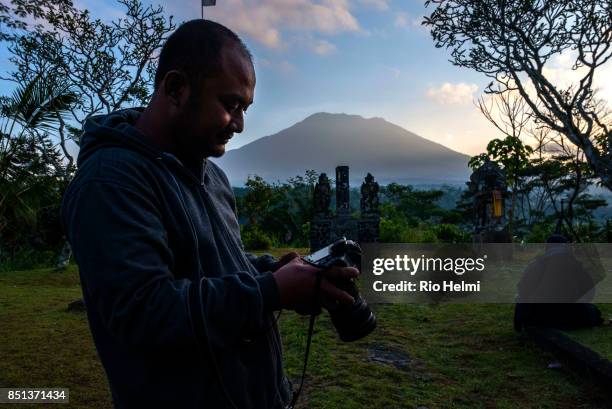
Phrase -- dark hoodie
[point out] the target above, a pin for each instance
(180, 317)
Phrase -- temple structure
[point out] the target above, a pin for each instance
(490, 192)
(326, 227)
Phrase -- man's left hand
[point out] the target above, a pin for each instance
(285, 259)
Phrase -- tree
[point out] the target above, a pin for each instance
(565, 177)
(259, 197)
(513, 155)
(514, 41)
(414, 205)
(554, 177)
(281, 211)
(32, 174)
(14, 15)
(108, 65)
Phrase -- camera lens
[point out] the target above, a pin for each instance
(355, 321)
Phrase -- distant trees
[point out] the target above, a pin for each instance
(564, 176)
(549, 185)
(514, 41)
(277, 213)
(415, 216)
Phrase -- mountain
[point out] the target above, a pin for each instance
(323, 141)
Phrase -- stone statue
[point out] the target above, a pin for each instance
(322, 195)
(369, 195)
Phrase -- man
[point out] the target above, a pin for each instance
(180, 316)
(555, 291)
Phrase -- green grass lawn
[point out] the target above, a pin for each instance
(599, 339)
(448, 356)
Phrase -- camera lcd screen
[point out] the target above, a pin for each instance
(318, 255)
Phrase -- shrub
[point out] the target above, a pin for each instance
(540, 232)
(255, 239)
(450, 233)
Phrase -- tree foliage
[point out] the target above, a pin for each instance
(66, 66)
(277, 212)
(108, 65)
(514, 42)
(14, 15)
(32, 173)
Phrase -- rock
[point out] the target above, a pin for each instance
(399, 359)
(77, 306)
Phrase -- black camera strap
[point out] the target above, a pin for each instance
(313, 318)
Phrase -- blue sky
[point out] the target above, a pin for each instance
(366, 57)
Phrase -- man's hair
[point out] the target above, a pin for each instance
(195, 48)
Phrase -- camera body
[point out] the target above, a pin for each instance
(343, 252)
(357, 320)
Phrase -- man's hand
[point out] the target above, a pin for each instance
(296, 283)
(286, 259)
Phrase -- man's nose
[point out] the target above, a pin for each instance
(237, 124)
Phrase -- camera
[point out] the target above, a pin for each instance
(357, 320)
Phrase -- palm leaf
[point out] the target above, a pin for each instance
(36, 104)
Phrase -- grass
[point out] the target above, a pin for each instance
(43, 345)
(599, 339)
(447, 356)
(451, 356)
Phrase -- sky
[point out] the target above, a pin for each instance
(367, 57)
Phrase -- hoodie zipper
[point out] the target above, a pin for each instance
(197, 249)
(235, 250)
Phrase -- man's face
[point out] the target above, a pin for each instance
(215, 112)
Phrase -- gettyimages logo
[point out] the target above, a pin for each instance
(413, 265)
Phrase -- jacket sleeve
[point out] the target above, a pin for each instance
(263, 263)
(121, 248)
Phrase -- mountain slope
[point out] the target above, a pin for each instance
(323, 141)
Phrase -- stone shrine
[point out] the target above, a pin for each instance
(327, 227)
(490, 192)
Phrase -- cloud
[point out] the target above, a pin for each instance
(324, 47)
(286, 68)
(283, 66)
(604, 86)
(453, 94)
(561, 74)
(308, 41)
(405, 21)
(401, 20)
(268, 21)
(382, 5)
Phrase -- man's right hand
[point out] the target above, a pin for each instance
(296, 283)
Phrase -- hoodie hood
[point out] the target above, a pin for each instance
(115, 129)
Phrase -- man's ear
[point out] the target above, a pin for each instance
(175, 87)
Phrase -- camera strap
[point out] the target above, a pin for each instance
(313, 318)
